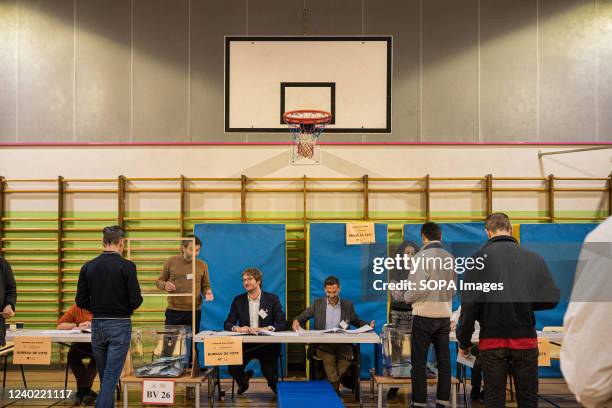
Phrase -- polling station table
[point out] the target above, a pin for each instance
(302, 337)
(62, 337)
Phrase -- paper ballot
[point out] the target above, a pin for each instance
(467, 361)
(363, 329)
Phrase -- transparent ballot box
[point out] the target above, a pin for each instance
(396, 350)
(160, 351)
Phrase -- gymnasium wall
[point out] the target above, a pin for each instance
(273, 161)
(152, 70)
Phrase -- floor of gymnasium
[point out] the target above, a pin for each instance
(554, 392)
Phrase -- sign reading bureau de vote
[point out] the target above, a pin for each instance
(32, 350)
(222, 351)
(543, 352)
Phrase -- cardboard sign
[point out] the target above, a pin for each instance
(158, 392)
(360, 233)
(543, 352)
(222, 351)
(32, 350)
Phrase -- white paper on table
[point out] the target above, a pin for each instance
(227, 333)
(278, 334)
(307, 332)
(467, 361)
(363, 329)
(72, 331)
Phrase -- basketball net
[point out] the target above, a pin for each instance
(306, 126)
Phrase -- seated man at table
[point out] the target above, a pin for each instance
(81, 318)
(330, 312)
(249, 313)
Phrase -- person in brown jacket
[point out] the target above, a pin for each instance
(177, 277)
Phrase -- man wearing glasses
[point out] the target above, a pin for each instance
(251, 312)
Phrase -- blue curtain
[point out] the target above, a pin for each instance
(228, 249)
(352, 264)
(560, 246)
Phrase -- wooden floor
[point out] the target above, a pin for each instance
(258, 395)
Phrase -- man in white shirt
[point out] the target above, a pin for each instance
(586, 353)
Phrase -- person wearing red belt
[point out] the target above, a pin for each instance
(507, 322)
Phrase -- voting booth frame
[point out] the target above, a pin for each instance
(193, 376)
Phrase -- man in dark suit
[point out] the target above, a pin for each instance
(251, 312)
(330, 312)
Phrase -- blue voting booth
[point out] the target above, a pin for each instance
(560, 246)
(328, 254)
(229, 249)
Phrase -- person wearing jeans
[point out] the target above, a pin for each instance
(110, 340)
(431, 310)
(109, 288)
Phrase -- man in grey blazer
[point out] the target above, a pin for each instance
(330, 312)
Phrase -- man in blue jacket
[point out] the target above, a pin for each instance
(250, 313)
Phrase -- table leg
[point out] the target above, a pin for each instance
(380, 395)
(376, 362)
(197, 392)
(358, 384)
(454, 397)
(218, 380)
(125, 395)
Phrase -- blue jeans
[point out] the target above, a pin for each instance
(110, 341)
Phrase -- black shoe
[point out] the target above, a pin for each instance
(245, 386)
(274, 387)
(392, 394)
(89, 397)
(77, 400)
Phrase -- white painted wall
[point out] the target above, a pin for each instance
(337, 161)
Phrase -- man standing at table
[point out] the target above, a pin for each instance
(249, 313)
(8, 296)
(508, 337)
(330, 312)
(176, 277)
(431, 310)
(81, 318)
(108, 287)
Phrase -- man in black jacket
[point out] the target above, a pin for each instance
(250, 313)
(8, 296)
(108, 287)
(506, 316)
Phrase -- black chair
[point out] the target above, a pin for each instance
(5, 352)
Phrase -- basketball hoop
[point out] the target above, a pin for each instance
(306, 125)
